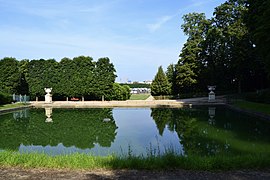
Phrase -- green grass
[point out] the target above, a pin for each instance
(8, 106)
(258, 107)
(167, 161)
(139, 96)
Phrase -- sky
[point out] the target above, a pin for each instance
(137, 35)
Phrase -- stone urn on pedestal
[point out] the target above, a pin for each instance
(48, 96)
(211, 95)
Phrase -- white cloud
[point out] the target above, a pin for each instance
(155, 26)
(133, 61)
(161, 21)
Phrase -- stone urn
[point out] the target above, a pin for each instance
(48, 96)
(211, 94)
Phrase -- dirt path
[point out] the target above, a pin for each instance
(19, 173)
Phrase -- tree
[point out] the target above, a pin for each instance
(160, 84)
(258, 22)
(104, 77)
(229, 50)
(126, 92)
(188, 67)
(9, 75)
(23, 84)
(42, 73)
(220, 51)
(171, 75)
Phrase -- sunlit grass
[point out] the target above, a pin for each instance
(139, 96)
(166, 161)
(15, 105)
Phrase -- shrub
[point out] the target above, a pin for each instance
(119, 92)
(5, 98)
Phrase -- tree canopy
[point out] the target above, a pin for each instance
(160, 84)
(228, 50)
(77, 77)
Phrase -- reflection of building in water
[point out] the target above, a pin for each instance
(48, 113)
(212, 113)
(24, 113)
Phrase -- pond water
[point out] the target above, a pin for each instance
(139, 131)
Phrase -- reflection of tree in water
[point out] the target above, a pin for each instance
(178, 120)
(232, 133)
(81, 128)
(17, 121)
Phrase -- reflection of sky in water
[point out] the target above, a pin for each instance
(203, 131)
(136, 130)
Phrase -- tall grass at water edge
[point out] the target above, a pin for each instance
(167, 161)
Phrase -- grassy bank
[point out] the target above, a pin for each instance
(168, 161)
(258, 107)
(15, 105)
(139, 96)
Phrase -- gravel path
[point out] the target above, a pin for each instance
(19, 173)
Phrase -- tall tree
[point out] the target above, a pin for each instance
(83, 75)
(104, 77)
(189, 65)
(234, 58)
(160, 84)
(171, 75)
(258, 22)
(23, 84)
(9, 75)
(42, 73)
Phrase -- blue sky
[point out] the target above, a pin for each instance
(137, 35)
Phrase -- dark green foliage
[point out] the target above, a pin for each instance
(136, 85)
(41, 74)
(77, 77)
(126, 92)
(23, 84)
(119, 92)
(104, 77)
(9, 75)
(160, 84)
(5, 98)
(171, 75)
(188, 67)
(258, 22)
(223, 50)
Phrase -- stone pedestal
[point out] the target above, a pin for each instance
(48, 96)
(211, 95)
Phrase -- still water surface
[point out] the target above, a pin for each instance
(141, 131)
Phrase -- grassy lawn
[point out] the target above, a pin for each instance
(139, 96)
(7, 106)
(167, 161)
(258, 107)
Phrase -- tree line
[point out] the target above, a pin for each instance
(77, 77)
(229, 50)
